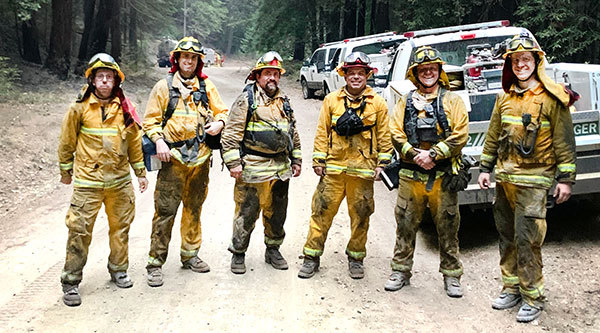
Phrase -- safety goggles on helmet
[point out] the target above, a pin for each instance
(524, 40)
(189, 44)
(426, 53)
(269, 58)
(103, 60)
(357, 57)
(107, 59)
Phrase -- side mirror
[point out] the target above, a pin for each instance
(306, 63)
(320, 66)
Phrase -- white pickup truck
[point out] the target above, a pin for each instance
(474, 67)
(318, 72)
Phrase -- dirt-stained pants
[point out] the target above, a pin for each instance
(178, 183)
(250, 198)
(119, 204)
(520, 214)
(411, 203)
(325, 203)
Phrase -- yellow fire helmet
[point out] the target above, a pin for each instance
(355, 59)
(103, 60)
(427, 55)
(525, 43)
(189, 44)
(270, 59)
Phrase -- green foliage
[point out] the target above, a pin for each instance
(8, 76)
(24, 8)
(567, 30)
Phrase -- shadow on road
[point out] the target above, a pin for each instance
(573, 221)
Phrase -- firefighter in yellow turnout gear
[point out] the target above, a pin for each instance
(100, 139)
(531, 143)
(262, 152)
(352, 145)
(429, 128)
(185, 156)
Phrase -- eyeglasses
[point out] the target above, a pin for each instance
(426, 53)
(268, 57)
(355, 57)
(104, 58)
(187, 45)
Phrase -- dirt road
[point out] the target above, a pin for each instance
(32, 247)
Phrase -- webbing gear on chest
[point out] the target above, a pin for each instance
(350, 122)
(425, 129)
(268, 142)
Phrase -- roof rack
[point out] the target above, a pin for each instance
(354, 39)
(457, 28)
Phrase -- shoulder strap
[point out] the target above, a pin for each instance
(441, 115)
(410, 120)
(249, 89)
(173, 100)
(203, 95)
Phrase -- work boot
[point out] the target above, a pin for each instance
(452, 287)
(71, 295)
(356, 269)
(528, 313)
(155, 277)
(310, 266)
(121, 279)
(396, 281)
(274, 257)
(196, 265)
(237, 263)
(506, 301)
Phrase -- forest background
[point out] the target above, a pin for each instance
(62, 35)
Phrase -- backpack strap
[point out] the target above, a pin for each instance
(173, 100)
(441, 115)
(200, 96)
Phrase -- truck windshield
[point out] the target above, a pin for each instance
(455, 52)
(378, 47)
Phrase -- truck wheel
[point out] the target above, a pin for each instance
(306, 91)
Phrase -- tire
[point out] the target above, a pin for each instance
(306, 91)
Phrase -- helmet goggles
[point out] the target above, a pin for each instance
(189, 46)
(524, 40)
(270, 58)
(357, 57)
(426, 53)
(104, 58)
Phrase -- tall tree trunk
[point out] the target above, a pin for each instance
(88, 23)
(99, 36)
(133, 46)
(59, 51)
(382, 16)
(349, 28)
(373, 17)
(31, 47)
(115, 29)
(299, 49)
(360, 19)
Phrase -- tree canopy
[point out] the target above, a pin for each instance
(45, 31)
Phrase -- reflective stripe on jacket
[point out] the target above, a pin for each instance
(357, 155)
(186, 117)
(98, 153)
(554, 148)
